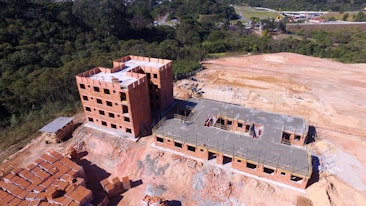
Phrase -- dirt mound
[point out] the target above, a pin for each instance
(331, 191)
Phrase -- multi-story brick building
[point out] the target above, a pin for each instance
(125, 96)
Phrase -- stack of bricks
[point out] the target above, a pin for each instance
(152, 201)
(115, 186)
(52, 179)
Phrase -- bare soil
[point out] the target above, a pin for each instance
(327, 93)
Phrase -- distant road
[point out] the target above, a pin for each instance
(162, 20)
(328, 23)
(264, 9)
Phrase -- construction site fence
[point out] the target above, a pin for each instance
(188, 74)
(231, 151)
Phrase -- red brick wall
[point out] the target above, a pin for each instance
(276, 176)
(166, 90)
(242, 165)
(140, 106)
(135, 94)
(162, 95)
(219, 158)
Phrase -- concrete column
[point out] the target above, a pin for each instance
(202, 152)
(219, 158)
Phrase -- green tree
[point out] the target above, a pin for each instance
(104, 16)
(186, 32)
(360, 16)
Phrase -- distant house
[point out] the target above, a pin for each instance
(58, 129)
(316, 20)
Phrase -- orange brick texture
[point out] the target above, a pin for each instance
(237, 163)
(127, 108)
(51, 179)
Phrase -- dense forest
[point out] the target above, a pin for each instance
(44, 45)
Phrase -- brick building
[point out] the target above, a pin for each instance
(265, 144)
(126, 96)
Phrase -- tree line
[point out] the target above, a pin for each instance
(307, 5)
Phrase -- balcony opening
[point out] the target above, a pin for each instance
(227, 159)
(82, 86)
(122, 96)
(211, 155)
(124, 109)
(268, 170)
(114, 126)
(295, 178)
(191, 148)
(286, 138)
(177, 144)
(159, 139)
(251, 166)
(297, 137)
(96, 89)
(247, 127)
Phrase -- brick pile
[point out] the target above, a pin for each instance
(152, 201)
(115, 186)
(51, 180)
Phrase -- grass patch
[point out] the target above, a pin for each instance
(15, 137)
(249, 12)
(216, 55)
(339, 16)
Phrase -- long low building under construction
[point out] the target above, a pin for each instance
(265, 144)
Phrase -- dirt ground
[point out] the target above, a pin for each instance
(330, 95)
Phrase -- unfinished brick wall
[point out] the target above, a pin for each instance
(127, 108)
(238, 163)
(160, 80)
(277, 174)
(115, 107)
(293, 138)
